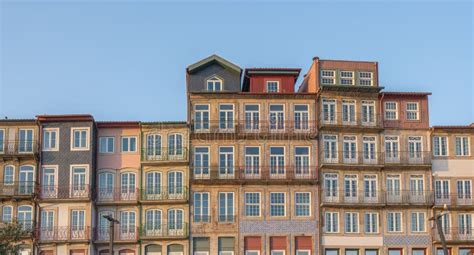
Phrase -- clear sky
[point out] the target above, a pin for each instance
(126, 60)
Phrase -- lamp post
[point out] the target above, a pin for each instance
(112, 222)
(437, 219)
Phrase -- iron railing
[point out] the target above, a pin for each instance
(18, 189)
(408, 158)
(453, 199)
(267, 173)
(352, 157)
(455, 234)
(77, 233)
(357, 119)
(382, 197)
(201, 218)
(19, 147)
(115, 194)
(121, 233)
(81, 191)
(164, 230)
(409, 197)
(257, 126)
(164, 154)
(158, 193)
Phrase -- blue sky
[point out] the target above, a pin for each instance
(126, 60)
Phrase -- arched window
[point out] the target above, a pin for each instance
(214, 84)
(153, 249)
(153, 146)
(106, 186)
(153, 185)
(175, 144)
(175, 222)
(128, 186)
(26, 179)
(175, 249)
(153, 222)
(7, 213)
(175, 184)
(9, 175)
(24, 217)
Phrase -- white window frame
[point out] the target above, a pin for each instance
(87, 145)
(228, 123)
(249, 251)
(417, 223)
(325, 76)
(278, 204)
(201, 121)
(129, 138)
(275, 251)
(395, 111)
(253, 204)
(351, 79)
(395, 225)
(52, 191)
(417, 111)
(303, 204)
(201, 253)
(2, 138)
(357, 226)
(334, 215)
(213, 79)
(372, 231)
(440, 146)
(370, 79)
(267, 83)
(226, 206)
(462, 146)
(203, 217)
(11, 213)
(13, 177)
(306, 252)
(106, 138)
(71, 171)
(52, 147)
(226, 253)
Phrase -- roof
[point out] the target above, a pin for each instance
(65, 117)
(6, 119)
(212, 59)
(295, 72)
(393, 93)
(118, 124)
(344, 60)
(470, 126)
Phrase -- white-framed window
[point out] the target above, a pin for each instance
(153, 146)
(330, 148)
(393, 187)
(349, 150)
(331, 222)
(50, 139)
(226, 206)
(277, 204)
(25, 217)
(417, 187)
(277, 117)
(370, 188)
(47, 221)
(129, 143)
(369, 149)
(391, 148)
(175, 144)
(371, 222)
(252, 117)
(79, 180)
(351, 222)
(391, 111)
(348, 111)
(440, 146)
(346, 77)
(277, 252)
(301, 115)
(303, 252)
(201, 207)
(106, 185)
(7, 212)
(226, 162)
(214, 84)
(462, 146)
(277, 162)
(302, 162)
(252, 162)
(273, 86)
(330, 187)
(418, 221)
(415, 147)
(153, 184)
(127, 224)
(252, 252)
(153, 220)
(226, 253)
(252, 204)
(49, 180)
(106, 144)
(8, 175)
(80, 139)
(201, 253)
(2, 140)
(465, 226)
(25, 140)
(329, 111)
(302, 204)
(464, 190)
(328, 77)
(350, 187)
(368, 112)
(201, 117)
(365, 78)
(394, 222)
(442, 191)
(201, 162)
(226, 116)
(26, 177)
(78, 219)
(413, 111)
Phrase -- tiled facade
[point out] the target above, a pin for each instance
(336, 167)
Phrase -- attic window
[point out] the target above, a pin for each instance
(214, 84)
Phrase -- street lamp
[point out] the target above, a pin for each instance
(437, 219)
(112, 222)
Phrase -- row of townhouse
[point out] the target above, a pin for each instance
(338, 167)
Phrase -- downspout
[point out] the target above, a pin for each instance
(140, 194)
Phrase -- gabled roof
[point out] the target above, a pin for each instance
(212, 59)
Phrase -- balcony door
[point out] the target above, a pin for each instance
(226, 162)
(26, 183)
(128, 186)
(370, 188)
(104, 226)
(393, 188)
(368, 112)
(47, 225)
(277, 162)
(153, 151)
(153, 222)
(78, 228)
(442, 195)
(277, 117)
(415, 149)
(79, 187)
(417, 188)
(25, 217)
(350, 188)
(153, 185)
(127, 226)
(252, 117)
(25, 142)
(175, 222)
(106, 186)
(252, 162)
(175, 185)
(48, 183)
(175, 145)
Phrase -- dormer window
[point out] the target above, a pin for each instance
(273, 86)
(347, 78)
(365, 78)
(328, 77)
(214, 84)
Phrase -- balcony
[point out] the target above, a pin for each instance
(303, 127)
(64, 234)
(117, 195)
(455, 235)
(408, 158)
(121, 234)
(408, 197)
(157, 154)
(19, 148)
(453, 199)
(356, 120)
(75, 192)
(164, 193)
(27, 226)
(353, 198)
(164, 231)
(352, 158)
(18, 189)
(262, 173)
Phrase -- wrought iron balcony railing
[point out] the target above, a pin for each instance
(120, 194)
(255, 126)
(356, 119)
(158, 193)
(19, 148)
(18, 189)
(160, 154)
(408, 158)
(54, 234)
(81, 191)
(352, 157)
(164, 230)
(453, 199)
(411, 197)
(121, 233)
(399, 197)
(267, 173)
(455, 234)
(27, 226)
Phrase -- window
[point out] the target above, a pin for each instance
(351, 224)
(277, 162)
(349, 149)
(175, 144)
(153, 222)
(301, 115)
(418, 251)
(465, 226)
(462, 146)
(371, 252)
(395, 251)
(370, 188)
(328, 77)
(391, 148)
(347, 77)
(127, 225)
(303, 252)
(368, 112)
(175, 222)
(26, 180)
(391, 111)
(2, 140)
(302, 162)
(415, 148)
(201, 117)
(48, 183)
(78, 222)
(393, 188)
(417, 222)
(331, 252)
(302, 204)
(440, 146)
(201, 162)
(50, 137)
(442, 191)
(252, 162)
(153, 185)
(153, 146)
(350, 187)
(277, 204)
(369, 149)
(348, 111)
(330, 187)
(252, 117)
(252, 252)
(273, 86)
(275, 252)
(394, 222)
(175, 185)
(226, 116)
(330, 148)
(106, 144)
(201, 207)
(25, 141)
(329, 111)
(412, 111)
(214, 84)
(331, 222)
(78, 180)
(464, 251)
(464, 190)
(226, 207)
(7, 213)
(226, 162)
(47, 221)
(129, 144)
(351, 252)
(277, 117)
(25, 217)
(8, 175)
(365, 78)
(417, 188)
(128, 186)
(371, 223)
(252, 204)
(80, 139)
(106, 185)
